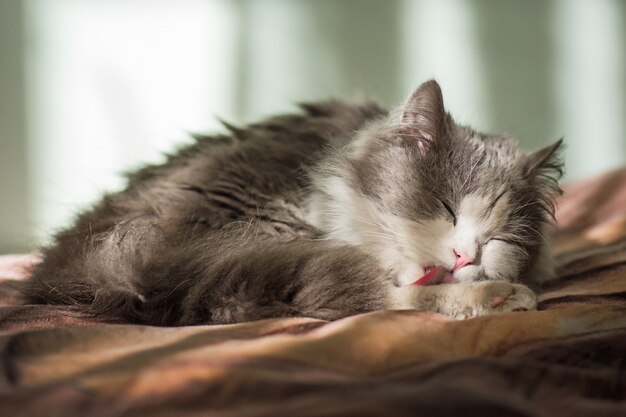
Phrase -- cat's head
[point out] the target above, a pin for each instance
(435, 200)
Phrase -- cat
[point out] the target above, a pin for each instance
(341, 209)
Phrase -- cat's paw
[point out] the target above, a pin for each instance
(499, 297)
(495, 297)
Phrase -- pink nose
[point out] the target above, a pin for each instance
(462, 260)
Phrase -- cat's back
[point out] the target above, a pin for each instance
(220, 178)
(268, 156)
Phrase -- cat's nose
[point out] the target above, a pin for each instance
(462, 259)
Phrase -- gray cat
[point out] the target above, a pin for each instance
(341, 210)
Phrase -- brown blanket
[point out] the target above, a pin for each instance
(567, 359)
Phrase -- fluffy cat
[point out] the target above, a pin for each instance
(343, 209)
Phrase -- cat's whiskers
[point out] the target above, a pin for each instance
(528, 228)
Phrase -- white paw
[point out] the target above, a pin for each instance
(491, 297)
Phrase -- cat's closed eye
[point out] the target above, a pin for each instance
(499, 239)
(449, 209)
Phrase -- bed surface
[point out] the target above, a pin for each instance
(567, 359)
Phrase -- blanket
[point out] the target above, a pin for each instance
(568, 358)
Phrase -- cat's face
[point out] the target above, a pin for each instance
(437, 202)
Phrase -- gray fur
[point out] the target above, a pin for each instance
(221, 232)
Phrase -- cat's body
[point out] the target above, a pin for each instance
(325, 214)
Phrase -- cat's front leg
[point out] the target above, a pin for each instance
(468, 300)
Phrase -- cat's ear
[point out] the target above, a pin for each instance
(545, 162)
(544, 168)
(423, 115)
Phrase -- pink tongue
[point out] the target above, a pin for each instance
(430, 274)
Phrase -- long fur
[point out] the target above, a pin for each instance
(293, 216)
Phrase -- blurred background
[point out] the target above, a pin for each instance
(90, 88)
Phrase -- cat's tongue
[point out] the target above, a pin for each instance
(434, 275)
